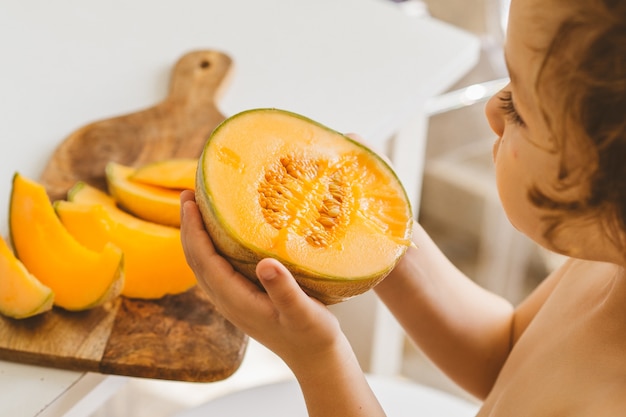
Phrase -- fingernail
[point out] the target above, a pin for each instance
(267, 273)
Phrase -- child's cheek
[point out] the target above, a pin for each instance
(513, 151)
(511, 148)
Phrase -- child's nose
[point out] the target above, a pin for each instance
(495, 117)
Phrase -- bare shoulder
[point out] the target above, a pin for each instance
(528, 309)
(570, 358)
(573, 275)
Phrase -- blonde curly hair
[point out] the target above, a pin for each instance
(583, 81)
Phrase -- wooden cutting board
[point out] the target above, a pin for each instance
(179, 337)
(176, 127)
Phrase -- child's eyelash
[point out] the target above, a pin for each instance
(506, 100)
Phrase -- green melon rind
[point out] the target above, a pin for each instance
(244, 256)
(46, 305)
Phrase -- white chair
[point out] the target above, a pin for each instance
(398, 397)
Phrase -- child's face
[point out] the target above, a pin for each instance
(523, 154)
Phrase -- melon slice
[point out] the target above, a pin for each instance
(21, 294)
(155, 263)
(156, 204)
(271, 183)
(176, 173)
(80, 278)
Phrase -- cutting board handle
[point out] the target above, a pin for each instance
(177, 127)
(197, 78)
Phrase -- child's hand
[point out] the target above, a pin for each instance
(290, 323)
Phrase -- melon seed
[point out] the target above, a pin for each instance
(291, 188)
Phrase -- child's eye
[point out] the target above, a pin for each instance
(506, 100)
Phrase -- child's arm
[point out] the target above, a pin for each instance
(302, 331)
(465, 330)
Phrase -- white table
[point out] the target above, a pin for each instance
(355, 65)
(398, 397)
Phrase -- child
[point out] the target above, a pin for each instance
(560, 161)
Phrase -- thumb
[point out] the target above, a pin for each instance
(279, 283)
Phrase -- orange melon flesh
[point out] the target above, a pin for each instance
(176, 173)
(273, 183)
(80, 278)
(156, 204)
(154, 260)
(21, 294)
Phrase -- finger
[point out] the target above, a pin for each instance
(356, 137)
(186, 195)
(280, 285)
(214, 273)
(199, 250)
(196, 242)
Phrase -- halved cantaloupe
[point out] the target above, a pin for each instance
(271, 183)
(175, 173)
(156, 204)
(155, 263)
(22, 295)
(80, 278)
